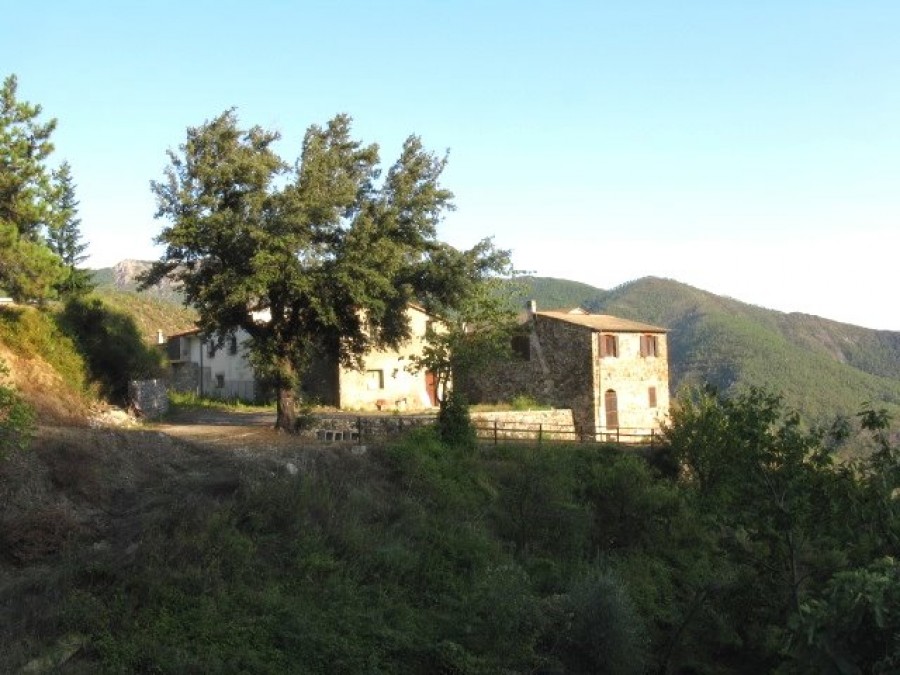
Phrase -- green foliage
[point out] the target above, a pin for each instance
(476, 327)
(31, 332)
(854, 627)
(191, 401)
(111, 344)
(454, 423)
(524, 402)
(334, 254)
(16, 417)
(762, 555)
(28, 269)
(550, 294)
(606, 634)
(64, 235)
(150, 313)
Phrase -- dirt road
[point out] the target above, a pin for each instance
(227, 429)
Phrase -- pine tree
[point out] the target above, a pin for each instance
(28, 268)
(64, 235)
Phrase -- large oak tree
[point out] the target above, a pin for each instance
(332, 250)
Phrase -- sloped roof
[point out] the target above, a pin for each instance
(184, 333)
(603, 322)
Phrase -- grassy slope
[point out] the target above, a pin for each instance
(150, 313)
(45, 363)
(821, 366)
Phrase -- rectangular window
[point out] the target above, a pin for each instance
(649, 345)
(220, 381)
(651, 396)
(211, 349)
(374, 379)
(232, 345)
(609, 345)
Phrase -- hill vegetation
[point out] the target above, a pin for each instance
(130, 552)
(821, 367)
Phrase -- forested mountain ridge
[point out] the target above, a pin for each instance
(821, 367)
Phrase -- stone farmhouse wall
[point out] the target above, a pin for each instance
(555, 369)
(632, 376)
(562, 367)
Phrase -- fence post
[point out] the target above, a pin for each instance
(540, 432)
(359, 429)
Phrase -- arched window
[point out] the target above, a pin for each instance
(611, 404)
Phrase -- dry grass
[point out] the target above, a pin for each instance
(53, 400)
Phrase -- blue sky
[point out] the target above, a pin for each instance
(751, 149)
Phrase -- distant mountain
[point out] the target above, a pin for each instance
(159, 308)
(123, 276)
(821, 367)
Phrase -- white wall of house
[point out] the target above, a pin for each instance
(388, 381)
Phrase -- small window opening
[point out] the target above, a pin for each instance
(609, 345)
(649, 345)
(375, 379)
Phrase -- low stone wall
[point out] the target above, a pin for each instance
(528, 425)
(525, 425)
(359, 428)
(149, 398)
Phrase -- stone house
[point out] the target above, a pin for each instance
(613, 373)
(386, 381)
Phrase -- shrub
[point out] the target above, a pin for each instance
(454, 423)
(16, 418)
(524, 402)
(111, 345)
(605, 633)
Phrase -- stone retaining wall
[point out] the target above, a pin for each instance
(525, 425)
(149, 398)
(506, 425)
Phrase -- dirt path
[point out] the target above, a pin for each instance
(227, 429)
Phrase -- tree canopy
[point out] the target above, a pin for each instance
(28, 268)
(332, 251)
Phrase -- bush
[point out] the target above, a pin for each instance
(111, 345)
(16, 418)
(454, 423)
(606, 634)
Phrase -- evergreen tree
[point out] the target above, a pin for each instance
(330, 251)
(64, 235)
(28, 268)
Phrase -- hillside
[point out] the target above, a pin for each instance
(821, 367)
(123, 277)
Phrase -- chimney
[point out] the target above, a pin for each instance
(531, 308)
(160, 337)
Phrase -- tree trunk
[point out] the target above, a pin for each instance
(286, 410)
